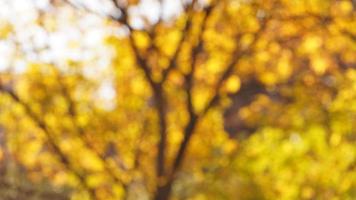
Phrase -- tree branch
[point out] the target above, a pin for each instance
(81, 133)
(157, 90)
(164, 189)
(237, 55)
(189, 130)
(193, 117)
(172, 63)
(50, 139)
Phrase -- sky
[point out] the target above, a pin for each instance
(67, 34)
(78, 34)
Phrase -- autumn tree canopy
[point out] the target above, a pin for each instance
(190, 99)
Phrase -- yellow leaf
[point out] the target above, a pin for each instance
(233, 84)
(319, 65)
(90, 161)
(142, 40)
(311, 43)
(5, 29)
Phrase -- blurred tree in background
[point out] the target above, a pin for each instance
(199, 99)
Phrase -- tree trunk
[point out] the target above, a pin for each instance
(164, 192)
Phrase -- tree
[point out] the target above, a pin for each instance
(180, 84)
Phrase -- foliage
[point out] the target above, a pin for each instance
(230, 99)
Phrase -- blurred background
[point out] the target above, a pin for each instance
(177, 99)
